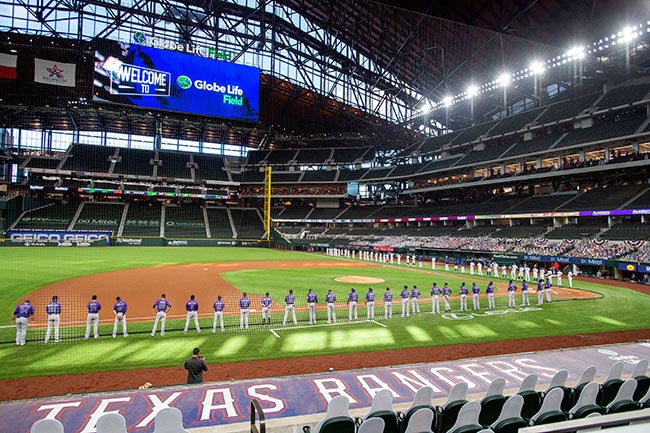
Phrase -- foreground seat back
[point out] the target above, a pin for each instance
(420, 421)
(382, 408)
(531, 397)
(586, 403)
(467, 419)
(642, 379)
(611, 384)
(510, 420)
(421, 400)
(47, 426)
(371, 425)
(550, 410)
(623, 401)
(169, 420)
(449, 411)
(111, 423)
(337, 419)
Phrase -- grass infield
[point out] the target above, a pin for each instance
(23, 270)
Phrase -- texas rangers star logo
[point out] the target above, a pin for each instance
(55, 72)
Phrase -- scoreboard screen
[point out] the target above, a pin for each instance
(148, 77)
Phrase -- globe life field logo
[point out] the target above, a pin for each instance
(184, 82)
(232, 94)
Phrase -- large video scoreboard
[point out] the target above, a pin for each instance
(147, 77)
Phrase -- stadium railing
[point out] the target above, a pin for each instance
(256, 409)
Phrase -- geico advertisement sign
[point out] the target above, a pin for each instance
(58, 237)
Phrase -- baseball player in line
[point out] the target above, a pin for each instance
(330, 299)
(388, 304)
(540, 292)
(119, 310)
(415, 300)
(312, 299)
(370, 304)
(93, 317)
(463, 296)
(435, 299)
(161, 306)
(53, 310)
(22, 313)
(218, 307)
(289, 306)
(244, 305)
(353, 297)
(524, 294)
(192, 308)
(266, 309)
(475, 301)
(446, 293)
(490, 295)
(404, 294)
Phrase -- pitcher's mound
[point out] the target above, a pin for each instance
(358, 280)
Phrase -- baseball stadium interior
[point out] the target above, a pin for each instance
(444, 129)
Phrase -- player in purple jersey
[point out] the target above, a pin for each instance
(404, 294)
(540, 292)
(490, 295)
(244, 306)
(119, 310)
(22, 313)
(192, 308)
(415, 300)
(475, 301)
(524, 294)
(463, 296)
(312, 299)
(93, 317)
(446, 293)
(388, 304)
(330, 299)
(266, 309)
(289, 306)
(353, 297)
(435, 299)
(547, 289)
(370, 304)
(218, 307)
(53, 310)
(511, 294)
(161, 306)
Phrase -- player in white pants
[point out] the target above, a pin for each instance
(330, 299)
(266, 309)
(415, 300)
(435, 299)
(93, 317)
(353, 298)
(161, 306)
(218, 307)
(53, 310)
(524, 294)
(370, 304)
(289, 307)
(388, 304)
(404, 294)
(311, 303)
(511, 294)
(244, 305)
(119, 309)
(540, 293)
(192, 308)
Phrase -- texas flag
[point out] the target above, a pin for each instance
(8, 66)
(53, 72)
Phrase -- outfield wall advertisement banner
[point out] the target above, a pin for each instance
(59, 237)
(566, 260)
(147, 77)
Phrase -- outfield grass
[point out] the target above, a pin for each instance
(23, 270)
